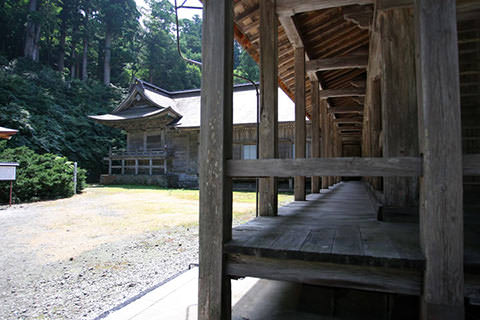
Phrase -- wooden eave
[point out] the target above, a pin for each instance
(327, 33)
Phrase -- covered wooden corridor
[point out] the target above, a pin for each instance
(391, 88)
(335, 239)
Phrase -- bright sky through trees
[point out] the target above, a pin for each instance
(182, 13)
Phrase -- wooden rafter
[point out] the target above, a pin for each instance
(292, 7)
(345, 62)
(338, 93)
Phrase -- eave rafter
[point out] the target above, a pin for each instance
(286, 9)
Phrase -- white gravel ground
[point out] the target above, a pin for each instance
(95, 281)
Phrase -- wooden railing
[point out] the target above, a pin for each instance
(136, 156)
(155, 153)
(345, 167)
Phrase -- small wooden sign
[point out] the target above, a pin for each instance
(8, 171)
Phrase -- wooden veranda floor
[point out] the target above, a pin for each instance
(334, 239)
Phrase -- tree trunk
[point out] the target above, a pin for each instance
(85, 60)
(32, 34)
(108, 55)
(61, 54)
(36, 45)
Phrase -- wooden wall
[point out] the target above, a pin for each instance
(183, 148)
(391, 116)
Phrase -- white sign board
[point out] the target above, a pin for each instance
(8, 171)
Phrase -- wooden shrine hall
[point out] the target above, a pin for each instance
(392, 89)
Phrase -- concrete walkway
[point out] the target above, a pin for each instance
(176, 299)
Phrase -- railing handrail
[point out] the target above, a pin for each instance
(139, 153)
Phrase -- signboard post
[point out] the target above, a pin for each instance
(8, 172)
(75, 178)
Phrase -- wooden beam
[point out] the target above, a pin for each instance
(292, 7)
(300, 126)
(441, 196)
(347, 109)
(359, 15)
(463, 7)
(291, 31)
(348, 120)
(267, 205)
(392, 280)
(214, 288)
(337, 63)
(295, 39)
(349, 167)
(339, 93)
(315, 145)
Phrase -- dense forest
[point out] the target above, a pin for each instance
(61, 60)
(106, 40)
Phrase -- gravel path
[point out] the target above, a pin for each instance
(35, 284)
(96, 280)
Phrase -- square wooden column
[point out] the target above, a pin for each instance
(214, 291)
(315, 132)
(325, 135)
(331, 144)
(268, 144)
(441, 189)
(300, 129)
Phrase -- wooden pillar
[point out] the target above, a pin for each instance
(315, 145)
(268, 144)
(338, 150)
(136, 166)
(150, 169)
(441, 210)
(214, 287)
(399, 101)
(300, 129)
(110, 166)
(325, 135)
(331, 144)
(123, 166)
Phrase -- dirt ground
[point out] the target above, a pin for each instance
(79, 257)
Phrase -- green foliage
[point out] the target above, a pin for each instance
(39, 177)
(51, 114)
(147, 51)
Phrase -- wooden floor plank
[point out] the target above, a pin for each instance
(348, 241)
(320, 241)
(335, 227)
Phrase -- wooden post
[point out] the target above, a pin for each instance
(331, 144)
(315, 132)
(300, 129)
(268, 133)
(399, 101)
(165, 166)
(136, 166)
(441, 209)
(123, 166)
(325, 135)
(110, 166)
(150, 164)
(75, 169)
(214, 288)
(338, 150)
(11, 192)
